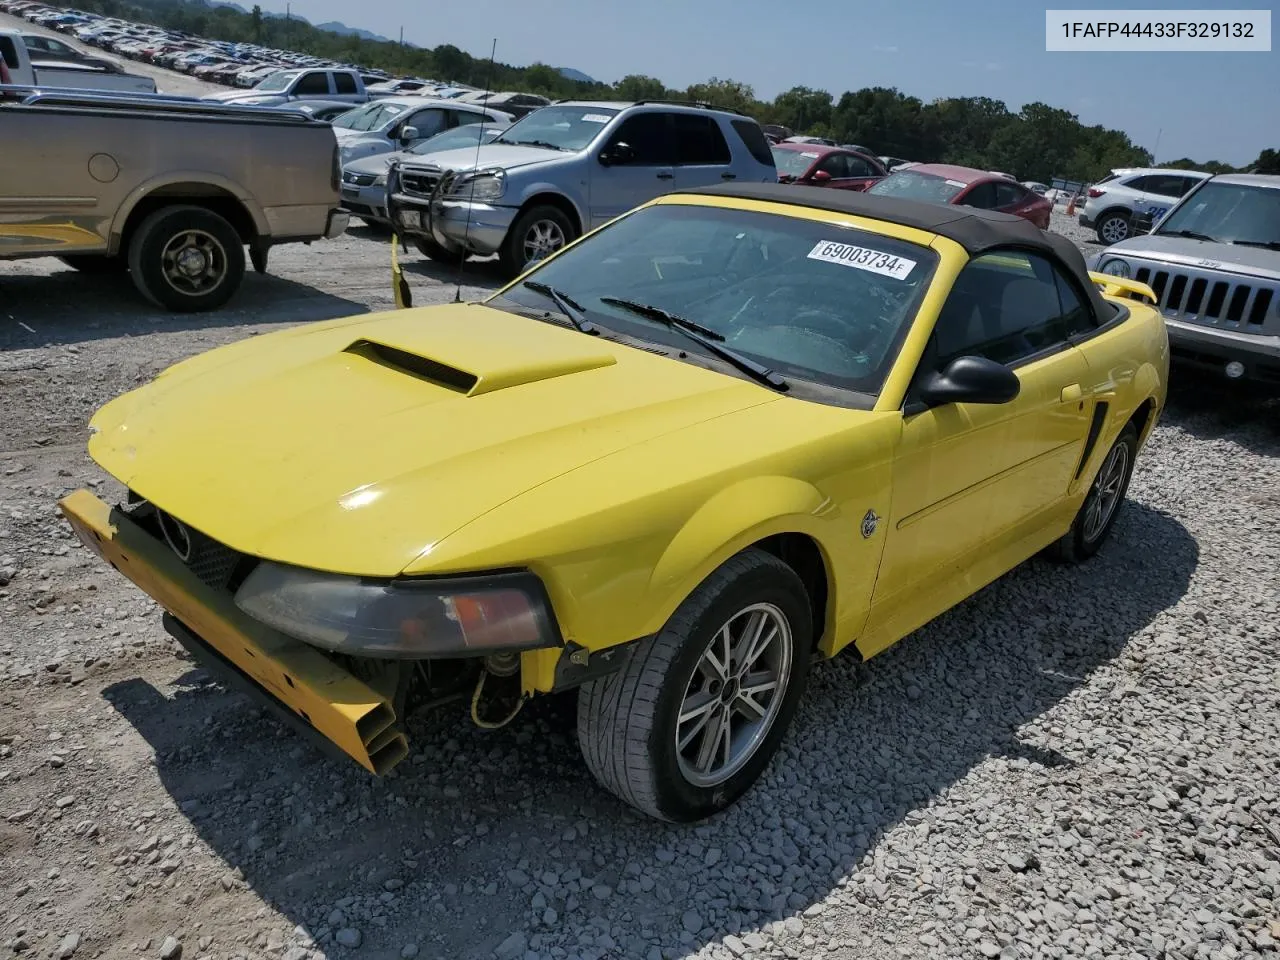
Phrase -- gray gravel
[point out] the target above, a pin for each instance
(1079, 762)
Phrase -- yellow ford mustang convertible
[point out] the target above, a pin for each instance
(734, 431)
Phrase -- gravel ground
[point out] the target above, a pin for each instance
(1075, 762)
(167, 81)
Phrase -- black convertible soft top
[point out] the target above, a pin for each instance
(978, 231)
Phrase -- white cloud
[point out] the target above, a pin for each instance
(880, 49)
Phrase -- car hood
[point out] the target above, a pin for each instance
(507, 156)
(376, 165)
(1230, 257)
(355, 445)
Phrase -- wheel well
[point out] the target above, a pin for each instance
(560, 203)
(1141, 418)
(803, 555)
(214, 199)
(1123, 211)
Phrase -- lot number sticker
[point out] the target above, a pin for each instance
(596, 118)
(863, 258)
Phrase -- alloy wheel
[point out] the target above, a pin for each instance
(1107, 490)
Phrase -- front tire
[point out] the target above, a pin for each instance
(1113, 228)
(736, 652)
(439, 253)
(186, 259)
(537, 233)
(1102, 504)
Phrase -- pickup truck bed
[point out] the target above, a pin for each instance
(170, 189)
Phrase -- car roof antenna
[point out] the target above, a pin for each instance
(466, 231)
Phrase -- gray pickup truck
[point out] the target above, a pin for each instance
(1213, 262)
(171, 190)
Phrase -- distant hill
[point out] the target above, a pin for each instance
(571, 74)
(335, 26)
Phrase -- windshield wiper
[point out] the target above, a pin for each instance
(535, 143)
(1265, 244)
(1189, 234)
(706, 337)
(564, 304)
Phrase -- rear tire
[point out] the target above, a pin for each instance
(186, 259)
(96, 264)
(1102, 504)
(629, 723)
(1113, 228)
(437, 252)
(538, 232)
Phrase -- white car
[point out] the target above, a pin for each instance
(1113, 201)
(396, 123)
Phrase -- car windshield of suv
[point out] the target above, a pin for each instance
(373, 116)
(276, 81)
(792, 163)
(1228, 213)
(817, 303)
(561, 127)
(910, 185)
(467, 136)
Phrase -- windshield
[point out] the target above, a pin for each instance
(1229, 213)
(457, 138)
(372, 116)
(276, 81)
(792, 163)
(565, 127)
(911, 185)
(813, 301)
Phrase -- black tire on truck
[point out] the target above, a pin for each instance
(186, 259)
(537, 233)
(435, 251)
(93, 263)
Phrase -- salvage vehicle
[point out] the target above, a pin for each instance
(566, 169)
(29, 68)
(1213, 261)
(1112, 204)
(948, 183)
(735, 430)
(291, 86)
(819, 166)
(171, 190)
(397, 123)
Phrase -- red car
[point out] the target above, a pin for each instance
(819, 166)
(944, 183)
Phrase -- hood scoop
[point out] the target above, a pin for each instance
(475, 358)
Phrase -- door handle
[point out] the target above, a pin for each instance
(728, 176)
(665, 176)
(1071, 393)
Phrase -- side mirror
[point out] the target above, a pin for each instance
(970, 380)
(408, 134)
(820, 176)
(616, 154)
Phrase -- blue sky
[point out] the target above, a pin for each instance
(1223, 106)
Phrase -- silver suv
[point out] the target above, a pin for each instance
(1114, 200)
(1213, 262)
(566, 169)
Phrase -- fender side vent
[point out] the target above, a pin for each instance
(424, 368)
(1095, 428)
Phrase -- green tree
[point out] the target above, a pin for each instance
(637, 86)
(1268, 162)
(728, 94)
(256, 16)
(802, 108)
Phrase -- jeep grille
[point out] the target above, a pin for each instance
(1204, 297)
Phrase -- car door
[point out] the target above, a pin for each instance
(702, 153)
(1160, 192)
(427, 122)
(975, 486)
(860, 173)
(1018, 200)
(314, 84)
(634, 165)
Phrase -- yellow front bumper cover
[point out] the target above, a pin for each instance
(349, 713)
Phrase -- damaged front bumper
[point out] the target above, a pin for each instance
(312, 690)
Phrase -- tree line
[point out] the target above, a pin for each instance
(1038, 142)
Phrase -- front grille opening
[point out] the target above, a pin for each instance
(1196, 295)
(1216, 299)
(1235, 309)
(1258, 312)
(1176, 290)
(1158, 283)
(418, 366)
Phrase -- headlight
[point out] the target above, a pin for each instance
(485, 186)
(380, 180)
(1117, 268)
(402, 619)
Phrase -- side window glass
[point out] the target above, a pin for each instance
(313, 83)
(344, 83)
(428, 122)
(1006, 306)
(858, 167)
(982, 196)
(1007, 195)
(1141, 184)
(1077, 314)
(834, 164)
(699, 140)
(646, 135)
